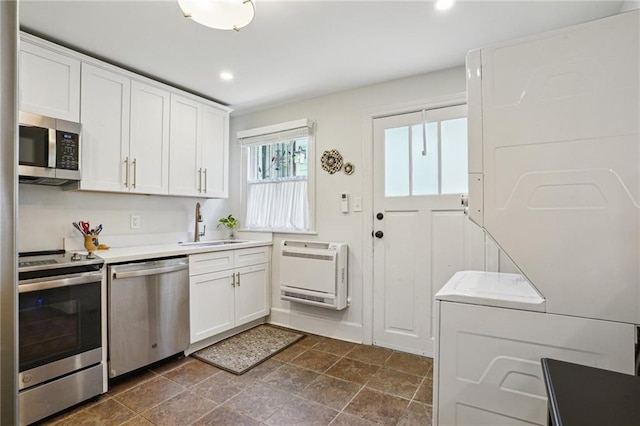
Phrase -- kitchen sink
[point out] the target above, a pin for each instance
(212, 243)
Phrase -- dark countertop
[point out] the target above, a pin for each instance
(582, 396)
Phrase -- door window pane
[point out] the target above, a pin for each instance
(454, 156)
(425, 167)
(396, 162)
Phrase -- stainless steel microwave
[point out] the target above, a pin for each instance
(49, 150)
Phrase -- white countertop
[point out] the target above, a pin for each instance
(492, 289)
(127, 254)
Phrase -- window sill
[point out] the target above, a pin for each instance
(279, 231)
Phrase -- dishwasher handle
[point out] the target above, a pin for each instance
(151, 268)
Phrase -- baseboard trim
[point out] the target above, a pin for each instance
(348, 331)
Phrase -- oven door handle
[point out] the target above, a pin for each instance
(60, 281)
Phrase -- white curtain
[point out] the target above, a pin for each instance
(280, 205)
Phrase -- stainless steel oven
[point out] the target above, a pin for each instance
(60, 320)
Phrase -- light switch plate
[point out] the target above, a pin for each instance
(357, 204)
(135, 221)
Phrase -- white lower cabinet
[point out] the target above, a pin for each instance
(227, 289)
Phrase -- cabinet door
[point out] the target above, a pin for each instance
(252, 293)
(105, 130)
(185, 171)
(149, 150)
(211, 309)
(215, 152)
(49, 83)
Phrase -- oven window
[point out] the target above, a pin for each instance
(34, 146)
(58, 323)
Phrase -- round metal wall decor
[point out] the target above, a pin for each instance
(348, 168)
(331, 161)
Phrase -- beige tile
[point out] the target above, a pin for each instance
(395, 382)
(222, 386)
(301, 412)
(167, 365)
(290, 378)
(352, 371)
(333, 346)
(124, 383)
(408, 363)
(182, 409)
(223, 416)
(191, 373)
(416, 414)
(263, 369)
(377, 407)
(259, 401)
(289, 353)
(332, 392)
(138, 421)
(370, 354)
(149, 394)
(346, 419)
(425, 392)
(310, 340)
(108, 412)
(315, 360)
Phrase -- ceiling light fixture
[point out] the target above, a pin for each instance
(226, 75)
(219, 14)
(444, 4)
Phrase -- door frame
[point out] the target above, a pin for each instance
(367, 191)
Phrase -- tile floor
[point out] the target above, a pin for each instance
(316, 381)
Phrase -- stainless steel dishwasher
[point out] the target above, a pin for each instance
(148, 312)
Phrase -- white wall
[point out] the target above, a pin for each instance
(46, 213)
(340, 122)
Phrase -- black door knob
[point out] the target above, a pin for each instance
(379, 216)
(379, 234)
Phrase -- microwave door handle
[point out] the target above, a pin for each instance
(52, 148)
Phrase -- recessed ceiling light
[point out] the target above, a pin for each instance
(226, 76)
(444, 4)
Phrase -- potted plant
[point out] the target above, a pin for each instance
(230, 223)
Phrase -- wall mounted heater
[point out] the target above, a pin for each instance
(314, 273)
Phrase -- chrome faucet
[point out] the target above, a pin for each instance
(197, 233)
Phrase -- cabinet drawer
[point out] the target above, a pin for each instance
(251, 256)
(205, 263)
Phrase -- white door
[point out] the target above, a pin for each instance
(185, 170)
(421, 235)
(215, 152)
(105, 114)
(149, 150)
(252, 293)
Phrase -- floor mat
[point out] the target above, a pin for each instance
(242, 352)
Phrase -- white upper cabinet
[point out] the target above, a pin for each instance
(199, 152)
(215, 152)
(49, 83)
(149, 148)
(105, 119)
(185, 170)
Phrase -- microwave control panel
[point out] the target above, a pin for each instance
(67, 150)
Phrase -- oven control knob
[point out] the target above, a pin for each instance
(26, 378)
(76, 256)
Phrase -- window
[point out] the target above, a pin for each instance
(428, 158)
(278, 177)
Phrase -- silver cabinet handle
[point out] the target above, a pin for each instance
(238, 279)
(200, 180)
(233, 280)
(126, 168)
(205, 181)
(135, 171)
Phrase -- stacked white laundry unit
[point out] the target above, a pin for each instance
(554, 172)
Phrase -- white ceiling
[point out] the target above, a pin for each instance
(294, 49)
